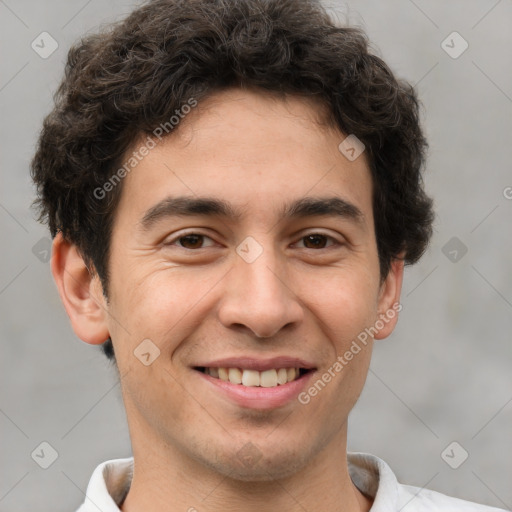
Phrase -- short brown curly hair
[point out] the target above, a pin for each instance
(127, 80)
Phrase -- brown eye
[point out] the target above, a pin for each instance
(191, 241)
(315, 241)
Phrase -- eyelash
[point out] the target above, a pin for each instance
(185, 235)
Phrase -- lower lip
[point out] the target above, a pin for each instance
(257, 397)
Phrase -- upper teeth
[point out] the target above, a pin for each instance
(266, 379)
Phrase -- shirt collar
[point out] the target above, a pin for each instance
(373, 477)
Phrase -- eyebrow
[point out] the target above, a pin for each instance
(183, 206)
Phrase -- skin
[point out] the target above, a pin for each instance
(258, 153)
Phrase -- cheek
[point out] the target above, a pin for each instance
(163, 306)
(344, 302)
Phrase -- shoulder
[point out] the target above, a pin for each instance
(372, 476)
(416, 499)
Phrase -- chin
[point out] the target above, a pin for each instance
(252, 465)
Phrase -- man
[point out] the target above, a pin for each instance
(234, 188)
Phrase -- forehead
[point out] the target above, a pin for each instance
(253, 150)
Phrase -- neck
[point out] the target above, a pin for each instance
(167, 479)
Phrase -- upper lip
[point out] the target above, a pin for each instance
(251, 363)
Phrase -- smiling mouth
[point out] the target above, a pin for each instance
(254, 378)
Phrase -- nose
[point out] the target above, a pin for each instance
(257, 296)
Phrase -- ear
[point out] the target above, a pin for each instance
(389, 298)
(81, 292)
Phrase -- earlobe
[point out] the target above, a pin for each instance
(389, 299)
(80, 292)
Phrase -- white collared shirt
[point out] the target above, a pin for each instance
(111, 481)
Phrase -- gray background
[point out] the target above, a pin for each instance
(443, 376)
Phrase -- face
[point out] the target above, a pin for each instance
(243, 249)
